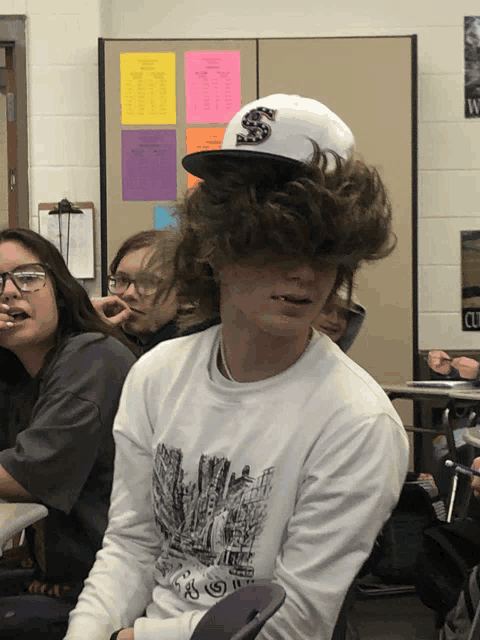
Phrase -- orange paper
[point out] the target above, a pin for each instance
(203, 139)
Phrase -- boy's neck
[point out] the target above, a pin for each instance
(263, 355)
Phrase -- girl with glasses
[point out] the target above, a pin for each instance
(62, 370)
(142, 302)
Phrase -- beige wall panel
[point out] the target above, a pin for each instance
(368, 83)
(3, 159)
(126, 218)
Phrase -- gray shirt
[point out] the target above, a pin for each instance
(64, 456)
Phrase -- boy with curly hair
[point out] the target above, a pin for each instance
(255, 449)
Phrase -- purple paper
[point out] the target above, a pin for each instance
(149, 164)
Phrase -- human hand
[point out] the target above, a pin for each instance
(476, 479)
(466, 367)
(5, 319)
(112, 309)
(127, 634)
(440, 362)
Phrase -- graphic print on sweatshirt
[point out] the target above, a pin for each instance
(209, 522)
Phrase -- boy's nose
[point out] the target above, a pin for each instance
(130, 291)
(303, 272)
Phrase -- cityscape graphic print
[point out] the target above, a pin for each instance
(208, 523)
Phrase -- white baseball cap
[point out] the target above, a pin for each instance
(278, 128)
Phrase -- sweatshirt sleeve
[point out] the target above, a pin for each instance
(348, 492)
(121, 582)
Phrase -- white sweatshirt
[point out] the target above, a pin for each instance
(218, 483)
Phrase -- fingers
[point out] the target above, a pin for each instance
(121, 317)
(112, 309)
(466, 367)
(475, 480)
(436, 353)
(99, 304)
(466, 362)
(36, 587)
(439, 361)
(5, 319)
(437, 357)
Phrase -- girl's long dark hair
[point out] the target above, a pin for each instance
(76, 313)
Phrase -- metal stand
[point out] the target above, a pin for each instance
(453, 493)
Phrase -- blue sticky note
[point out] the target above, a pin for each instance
(163, 217)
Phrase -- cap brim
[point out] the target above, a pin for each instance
(203, 164)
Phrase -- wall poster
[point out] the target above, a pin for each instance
(212, 85)
(472, 66)
(202, 139)
(470, 257)
(149, 164)
(147, 88)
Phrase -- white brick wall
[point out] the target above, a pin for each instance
(449, 160)
(62, 57)
(62, 78)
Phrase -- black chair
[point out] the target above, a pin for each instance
(242, 614)
(345, 629)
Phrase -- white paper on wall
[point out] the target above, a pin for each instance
(72, 234)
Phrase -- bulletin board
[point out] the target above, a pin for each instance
(122, 181)
(370, 83)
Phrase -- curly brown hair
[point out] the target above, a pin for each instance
(339, 215)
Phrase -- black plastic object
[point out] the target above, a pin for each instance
(241, 614)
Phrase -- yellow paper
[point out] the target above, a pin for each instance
(203, 139)
(147, 88)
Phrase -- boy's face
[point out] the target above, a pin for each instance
(279, 297)
(332, 320)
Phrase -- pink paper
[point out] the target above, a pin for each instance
(212, 85)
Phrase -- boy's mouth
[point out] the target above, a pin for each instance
(293, 299)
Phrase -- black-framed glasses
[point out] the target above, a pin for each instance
(145, 284)
(26, 277)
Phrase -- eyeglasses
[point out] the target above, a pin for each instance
(26, 277)
(145, 284)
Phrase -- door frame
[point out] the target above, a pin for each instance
(12, 34)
